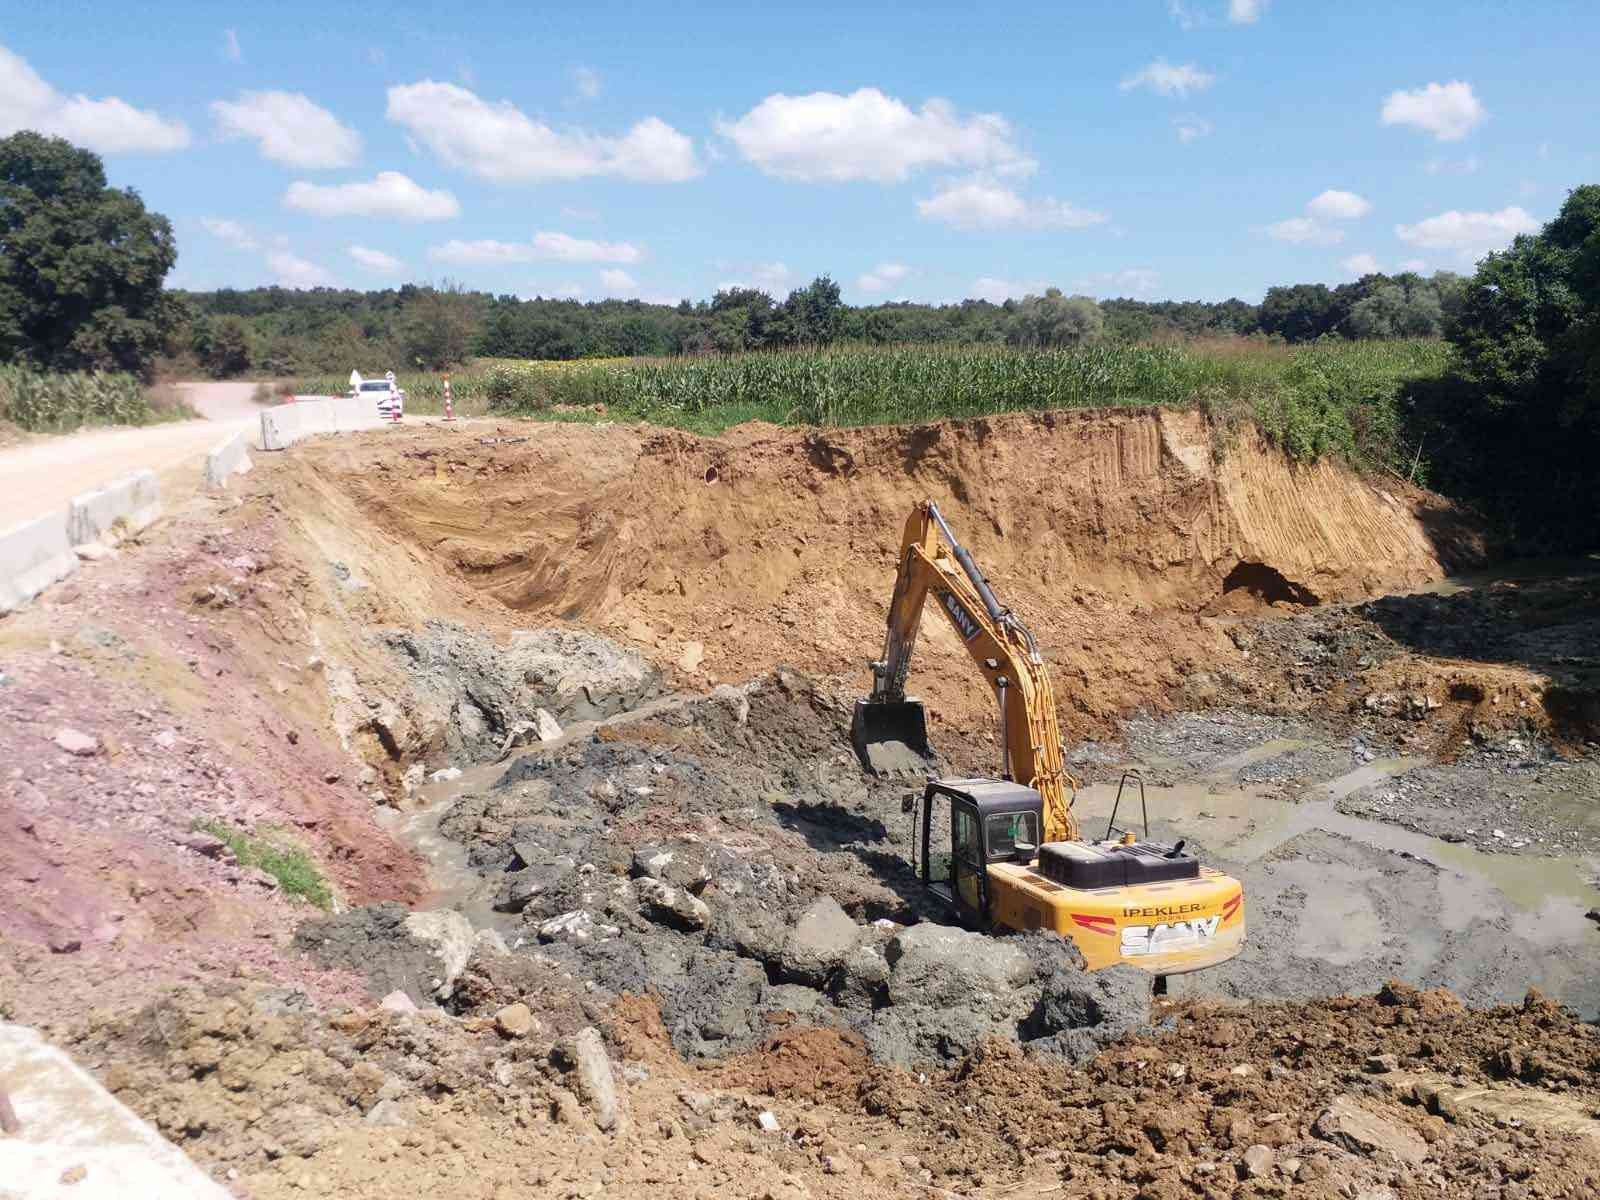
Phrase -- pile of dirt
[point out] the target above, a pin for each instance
(1404, 1093)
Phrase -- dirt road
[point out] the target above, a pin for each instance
(42, 476)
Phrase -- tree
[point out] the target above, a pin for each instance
(81, 263)
(1298, 313)
(223, 347)
(439, 325)
(814, 314)
(1055, 320)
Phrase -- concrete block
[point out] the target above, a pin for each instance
(115, 511)
(232, 456)
(33, 555)
(77, 1141)
(316, 416)
(280, 426)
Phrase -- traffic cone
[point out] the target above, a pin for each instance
(449, 405)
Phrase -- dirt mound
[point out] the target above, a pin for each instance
(1107, 530)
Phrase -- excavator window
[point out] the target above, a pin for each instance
(1013, 835)
(968, 847)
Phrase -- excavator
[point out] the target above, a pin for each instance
(1009, 853)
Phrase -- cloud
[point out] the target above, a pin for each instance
(289, 128)
(1449, 111)
(882, 277)
(235, 234)
(1360, 264)
(979, 203)
(500, 142)
(109, 126)
(1167, 80)
(825, 137)
(390, 195)
(544, 247)
(587, 82)
(1192, 128)
(1334, 205)
(767, 276)
(1468, 233)
(1304, 231)
(1418, 265)
(1453, 166)
(1133, 281)
(293, 271)
(1246, 12)
(996, 291)
(230, 45)
(615, 279)
(376, 260)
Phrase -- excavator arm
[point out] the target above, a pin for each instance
(890, 731)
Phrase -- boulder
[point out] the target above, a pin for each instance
(672, 905)
(548, 728)
(745, 927)
(515, 1020)
(585, 1057)
(75, 742)
(451, 935)
(1346, 1123)
(941, 966)
(819, 943)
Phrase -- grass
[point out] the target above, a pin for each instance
(295, 870)
(1333, 398)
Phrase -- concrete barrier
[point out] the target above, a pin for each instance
(79, 1142)
(33, 555)
(280, 426)
(360, 412)
(231, 457)
(116, 511)
(286, 424)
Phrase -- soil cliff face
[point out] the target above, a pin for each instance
(1109, 530)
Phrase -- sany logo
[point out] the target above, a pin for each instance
(963, 619)
(1158, 939)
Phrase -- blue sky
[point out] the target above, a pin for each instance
(1155, 148)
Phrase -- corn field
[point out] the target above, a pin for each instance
(50, 402)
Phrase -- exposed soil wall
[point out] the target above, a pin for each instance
(1109, 530)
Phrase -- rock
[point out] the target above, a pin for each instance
(489, 941)
(94, 551)
(549, 729)
(768, 1121)
(1346, 1123)
(942, 966)
(204, 843)
(819, 943)
(446, 775)
(734, 699)
(64, 943)
(1257, 1162)
(398, 1002)
(794, 998)
(415, 774)
(577, 926)
(862, 978)
(1381, 1064)
(74, 742)
(596, 1085)
(651, 860)
(515, 1020)
(713, 1002)
(386, 1114)
(689, 661)
(671, 905)
(451, 936)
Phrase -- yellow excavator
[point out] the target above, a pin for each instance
(1008, 852)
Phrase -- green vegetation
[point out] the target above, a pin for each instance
(295, 870)
(81, 264)
(55, 401)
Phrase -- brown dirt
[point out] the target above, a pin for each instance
(274, 1099)
(1110, 532)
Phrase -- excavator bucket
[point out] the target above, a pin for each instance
(891, 737)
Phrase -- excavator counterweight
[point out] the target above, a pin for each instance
(1009, 852)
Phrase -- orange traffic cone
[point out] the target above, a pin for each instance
(449, 405)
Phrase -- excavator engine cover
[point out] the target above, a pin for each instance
(891, 737)
(1114, 864)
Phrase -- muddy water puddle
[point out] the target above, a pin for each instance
(1341, 902)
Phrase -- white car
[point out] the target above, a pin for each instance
(391, 397)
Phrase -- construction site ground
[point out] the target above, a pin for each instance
(661, 939)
